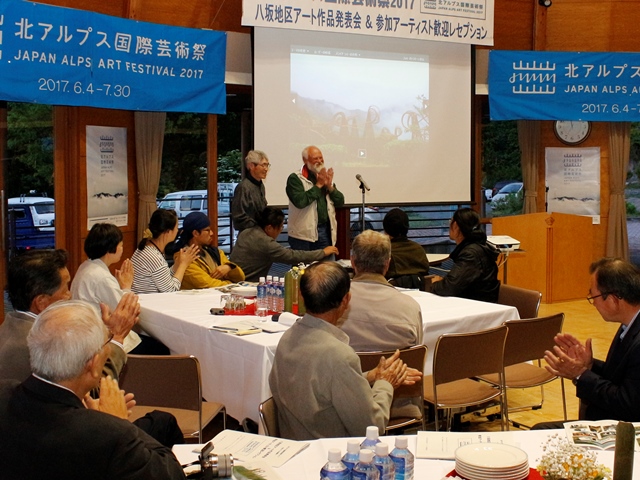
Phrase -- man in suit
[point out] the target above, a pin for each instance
(50, 425)
(37, 279)
(608, 389)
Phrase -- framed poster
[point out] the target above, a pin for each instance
(107, 181)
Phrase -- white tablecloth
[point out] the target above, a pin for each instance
(235, 369)
(307, 464)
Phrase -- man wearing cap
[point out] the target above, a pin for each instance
(211, 268)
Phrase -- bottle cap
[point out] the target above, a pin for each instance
(402, 442)
(353, 446)
(366, 455)
(335, 455)
(372, 432)
(269, 277)
(262, 280)
(382, 449)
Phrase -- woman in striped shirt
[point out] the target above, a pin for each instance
(151, 271)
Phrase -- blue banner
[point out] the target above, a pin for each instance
(61, 56)
(602, 87)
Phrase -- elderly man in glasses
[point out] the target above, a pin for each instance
(608, 389)
(249, 196)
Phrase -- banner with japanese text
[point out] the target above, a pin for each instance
(107, 180)
(573, 181)
(62, 56)
(469, 22)
(602, 87)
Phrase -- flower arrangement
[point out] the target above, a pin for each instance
(563, 460)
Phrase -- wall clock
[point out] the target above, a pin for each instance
(572, 132)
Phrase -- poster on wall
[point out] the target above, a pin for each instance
(107, 182)
(573, 181)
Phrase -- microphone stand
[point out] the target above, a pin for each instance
(362, 207)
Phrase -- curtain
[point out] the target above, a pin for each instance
(149, 139)
(529, 141)
(619, 148)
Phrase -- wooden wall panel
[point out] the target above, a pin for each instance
(513, 24)
(116, 8)
(216, 15)
(587, 31)
(71, 167)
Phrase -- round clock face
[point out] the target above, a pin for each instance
(572, 132)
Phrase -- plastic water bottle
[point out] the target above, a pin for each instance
(385, 465)
(334, 469)
(274, 294)
(372, 438)
(280, 295)
(269, 292)
(403, 459)
(262, 294)
(365, 469)
(353, 454)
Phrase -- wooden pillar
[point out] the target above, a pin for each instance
(212, 174)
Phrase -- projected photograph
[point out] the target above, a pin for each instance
(366, 109)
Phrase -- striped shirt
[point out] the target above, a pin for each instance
(151, 274)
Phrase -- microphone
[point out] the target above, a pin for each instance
(364, 184)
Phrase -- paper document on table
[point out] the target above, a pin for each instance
(248, 446)
(242, 327)
(599, 434)
(443, 445)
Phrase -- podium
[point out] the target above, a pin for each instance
(557, 250)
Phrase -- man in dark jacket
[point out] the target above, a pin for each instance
(51, 428)
(608, 389)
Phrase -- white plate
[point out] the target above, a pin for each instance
(244, 291)
(517, 474)
(495, 455)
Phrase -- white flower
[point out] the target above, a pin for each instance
(563, 460)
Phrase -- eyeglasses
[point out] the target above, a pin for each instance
(264, 165)
(591, 298)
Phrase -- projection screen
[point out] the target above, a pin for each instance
(395, 111)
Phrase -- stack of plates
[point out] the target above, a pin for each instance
(491, 461)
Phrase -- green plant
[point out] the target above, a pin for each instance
(632, 210)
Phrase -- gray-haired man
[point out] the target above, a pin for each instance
(249, 196)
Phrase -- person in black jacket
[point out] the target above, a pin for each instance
(475, 272)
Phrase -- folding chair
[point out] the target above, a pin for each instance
(526, 301)
(171, 383)
(269, 417)
(414, 357)
(458, 357)
(526, 342)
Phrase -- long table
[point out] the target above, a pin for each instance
(235, 369)
(306, 465)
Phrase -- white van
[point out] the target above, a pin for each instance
(189, 201)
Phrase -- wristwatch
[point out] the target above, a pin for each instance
(575, 380)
